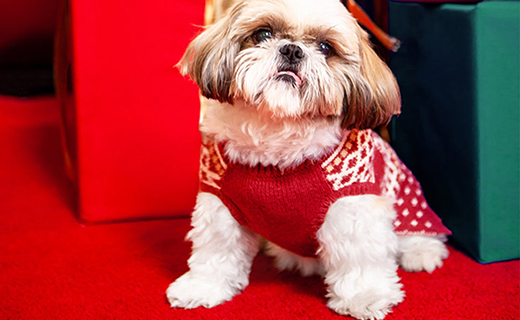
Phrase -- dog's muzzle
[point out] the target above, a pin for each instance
(288, 71)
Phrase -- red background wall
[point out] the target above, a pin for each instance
(26, 31)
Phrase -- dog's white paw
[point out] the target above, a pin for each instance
(421, 253)
(369, 294)
(190, 291)
(371, 304)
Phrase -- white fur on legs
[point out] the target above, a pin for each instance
(221, 258)
(418, 253)
(358, 250)
(286, 260)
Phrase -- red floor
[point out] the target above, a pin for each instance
(52, 267)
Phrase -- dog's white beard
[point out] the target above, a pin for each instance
(282, 99)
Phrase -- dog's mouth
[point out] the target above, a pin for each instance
(289, 76)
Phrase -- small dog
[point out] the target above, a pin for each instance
(288, 156)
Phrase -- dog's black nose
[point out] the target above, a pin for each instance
(292, 52)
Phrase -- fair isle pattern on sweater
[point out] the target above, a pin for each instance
(352, 163)
(288, 207)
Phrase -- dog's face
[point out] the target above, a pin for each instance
(294, 58)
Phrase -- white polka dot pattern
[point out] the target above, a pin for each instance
(414, 216)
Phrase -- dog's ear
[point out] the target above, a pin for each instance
(210, 57)
(374, 95)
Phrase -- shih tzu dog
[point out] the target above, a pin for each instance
(288, 156)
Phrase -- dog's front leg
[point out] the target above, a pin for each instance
(358, 250)
(221, 258)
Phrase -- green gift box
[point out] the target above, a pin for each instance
(459, 74)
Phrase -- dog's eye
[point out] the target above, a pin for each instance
(262, 35)
(326, 48)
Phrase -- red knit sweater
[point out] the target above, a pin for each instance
(288, 207)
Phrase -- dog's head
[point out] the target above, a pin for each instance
(294, 58)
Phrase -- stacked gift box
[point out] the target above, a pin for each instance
(459, 73)
(130, 133)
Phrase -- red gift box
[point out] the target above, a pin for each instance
(130, 119)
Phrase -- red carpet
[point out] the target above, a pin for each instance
(51, 267)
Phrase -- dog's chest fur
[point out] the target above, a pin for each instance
(253, 138)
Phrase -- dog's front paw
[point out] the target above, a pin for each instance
(192, 291)
(366, 295)
(366, 305)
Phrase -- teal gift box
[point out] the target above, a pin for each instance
(459, 74)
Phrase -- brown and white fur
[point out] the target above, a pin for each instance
(285, 78)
